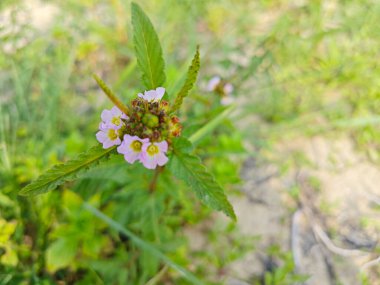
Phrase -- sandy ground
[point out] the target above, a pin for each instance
(333, 229)
(36, 14)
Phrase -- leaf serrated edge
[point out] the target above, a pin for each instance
(191, 78)
(148, 79)
(35, 187)
(228, 210)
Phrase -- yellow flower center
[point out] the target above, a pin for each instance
(112, 134)
(136, 146)
(152, 150)
(116, 121)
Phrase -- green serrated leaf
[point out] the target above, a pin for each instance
(60, 173)
(148, 49)
(189, 168)
(191, 77)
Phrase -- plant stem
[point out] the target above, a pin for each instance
(153, 183)
(111, 95)
(159, 276)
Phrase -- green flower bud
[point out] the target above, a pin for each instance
(150, 120)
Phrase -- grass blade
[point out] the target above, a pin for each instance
(209, 127)
(143, 244)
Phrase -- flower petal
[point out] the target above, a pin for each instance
(106, 116)
(163, 146)
(107, 143)
(102, 126)
(131, 157)
(115, 111)
(161, 159)
(101, 136)
(213, 83)
(123, 148)
(160, 91)
(150, 95)
(228, 88)
(148, 161)
(155, 94)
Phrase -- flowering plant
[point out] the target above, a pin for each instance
(145, 134)
(147, 129)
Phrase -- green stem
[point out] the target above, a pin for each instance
(111, 95)
(158, 277)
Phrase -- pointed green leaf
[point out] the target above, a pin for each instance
(148, 49)
(68, 171)
(189, 168)
(191, 77)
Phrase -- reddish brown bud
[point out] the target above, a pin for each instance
(156, 135)
(135, 102)
(174, 119)
(176, 133)
(153, 106)
(164, 106)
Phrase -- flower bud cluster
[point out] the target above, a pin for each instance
(145, 134)
(151, 120)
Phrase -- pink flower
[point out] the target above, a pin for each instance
(131, 148)
(108, 136)
(213, 83)
(153, 154)
(228, 88)
(152, 95)
(112, 118)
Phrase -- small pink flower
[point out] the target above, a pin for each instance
(112, 118)
(108, 136)
(228, 88)
(153, 95)
(131, 148)
(213, 83)
(153, 154)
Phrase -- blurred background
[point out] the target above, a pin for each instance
(298, 155)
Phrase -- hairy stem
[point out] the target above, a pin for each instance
(153, 183)
(111, 95)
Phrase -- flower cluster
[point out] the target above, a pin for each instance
(222, 88)
(145, 133)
